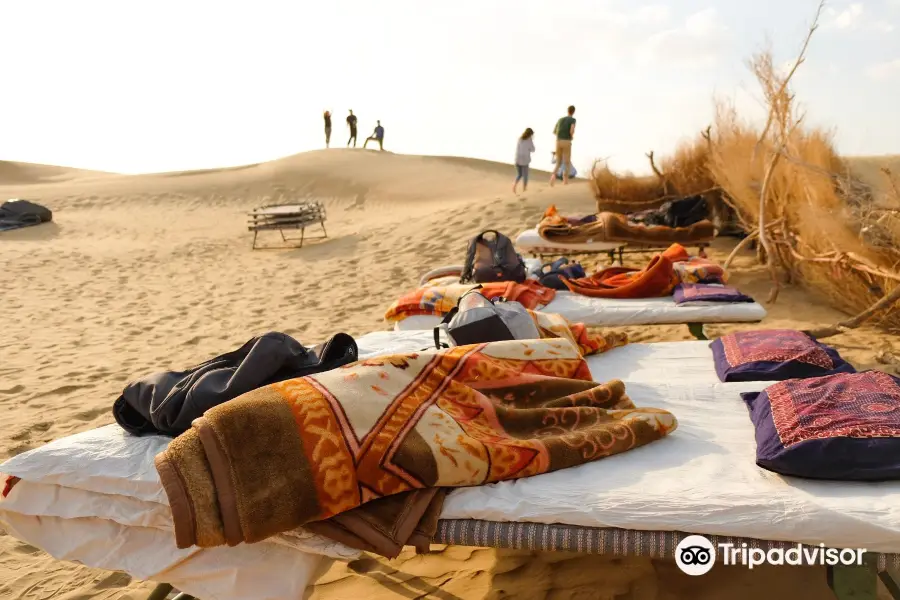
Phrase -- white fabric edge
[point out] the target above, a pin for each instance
(530, 240)
(613, 312)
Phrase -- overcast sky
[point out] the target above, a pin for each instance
(139, 86)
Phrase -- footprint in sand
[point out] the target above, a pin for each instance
(90, 415)
(62, 390)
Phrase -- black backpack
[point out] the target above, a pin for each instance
(492, 260)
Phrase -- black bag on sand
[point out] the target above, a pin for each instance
(478, 320)
(166, 403)
(492, 260)
(25, 212)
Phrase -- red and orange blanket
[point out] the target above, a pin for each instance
(440, 296)
(657, 279)
(388, 433)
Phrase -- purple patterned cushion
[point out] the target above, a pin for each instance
(774, 355)
(705, 292)
(844, 426)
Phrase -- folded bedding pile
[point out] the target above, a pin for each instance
(615, 227)
(96, 497)
(439, 296)
(674, 287)
(529, 240)
(681, 212)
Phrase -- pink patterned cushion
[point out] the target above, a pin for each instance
(774, 355)
(841, 426)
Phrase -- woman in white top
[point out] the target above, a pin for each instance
(524, 148)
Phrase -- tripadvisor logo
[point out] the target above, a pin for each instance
(696, 555)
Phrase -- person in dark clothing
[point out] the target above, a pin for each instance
(351, 123)
(327, 128)
(377, 136)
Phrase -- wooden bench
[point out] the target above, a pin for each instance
(279, 217)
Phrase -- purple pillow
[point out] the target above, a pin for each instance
(704, 292)
(774, 355)
(844, 426)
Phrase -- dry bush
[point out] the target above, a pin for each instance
(687, 169)
(684, 173)
(625, 192)
(819, 223)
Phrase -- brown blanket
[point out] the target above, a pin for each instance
(613, 227)
(325, 449)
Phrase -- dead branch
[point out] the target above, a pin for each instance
(763, 238)
(747, 241)
(887, 301)
(706, 136)
(662, 178)
(740, 246)
(892, 181)
(800, 58)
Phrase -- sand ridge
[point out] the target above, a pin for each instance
(139, 273)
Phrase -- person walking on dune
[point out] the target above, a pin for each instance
(565, 131)
(524, 149)
(377, 136)
(327, 128)
(351, 123)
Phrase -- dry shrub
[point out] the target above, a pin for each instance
(684, 173)
(825, 229)
(687, 169)
(614, 191)
(825, 233)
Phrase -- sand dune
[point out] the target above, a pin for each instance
(139, 273)
(19, 173)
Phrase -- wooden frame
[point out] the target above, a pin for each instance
(280, 217)
(846, 583)
(613, 253)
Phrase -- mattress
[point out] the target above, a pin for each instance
(530, 241)
(701, 478)
(614, 312)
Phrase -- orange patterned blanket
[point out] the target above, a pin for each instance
(308, 449)
(613, 227)
(440, 296)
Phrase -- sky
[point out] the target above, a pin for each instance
(134, 86)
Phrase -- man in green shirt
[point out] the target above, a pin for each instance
(565, 131)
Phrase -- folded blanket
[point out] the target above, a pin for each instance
(700, 270)
(686, 293)
(614, 227)
(308, 449)
(657, 279)
(588, 340)
(438, 299)
(384, 526)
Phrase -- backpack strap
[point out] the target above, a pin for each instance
(500, 245)
(437, 330)
(469, 266)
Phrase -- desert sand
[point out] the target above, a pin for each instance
(144, 273)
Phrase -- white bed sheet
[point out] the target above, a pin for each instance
(702, 478)
(612, 312)
(531, 241)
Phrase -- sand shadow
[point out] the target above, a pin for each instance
(34, 233)
(325, 248)
(399, 582)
